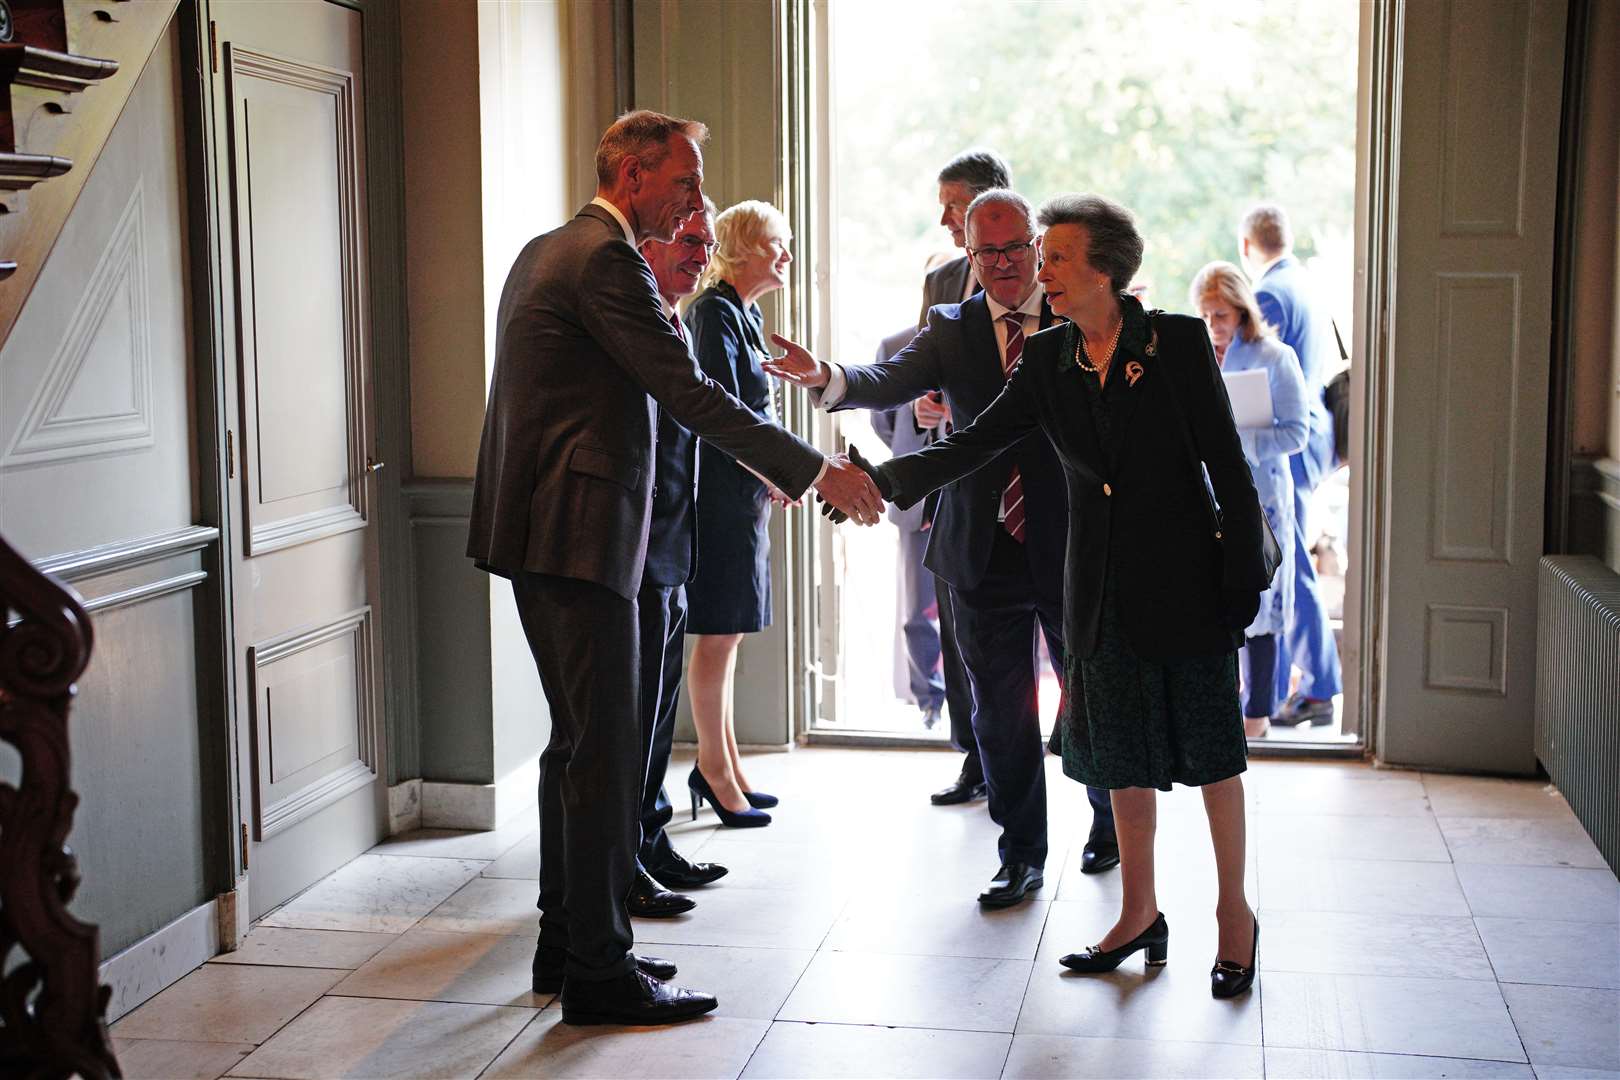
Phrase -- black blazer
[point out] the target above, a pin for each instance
(1138, 505)
(944, 284)
(956, 353)
(565, 466)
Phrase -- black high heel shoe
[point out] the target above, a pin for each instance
(1155, 939)
(759, 800)
(700, 789)
(1228, 980)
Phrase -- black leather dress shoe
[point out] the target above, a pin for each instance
(1011, 884)
(633, 998)
(1100, 853)
(965, 789)
(650, 900)
(684, 874)
(548, 969)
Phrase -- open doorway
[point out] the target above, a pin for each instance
(1188, 114)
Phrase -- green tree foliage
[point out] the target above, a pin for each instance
(1185, 112)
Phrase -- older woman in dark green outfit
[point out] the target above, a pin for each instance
(1159, 583)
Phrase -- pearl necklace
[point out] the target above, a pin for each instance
(1082, 358)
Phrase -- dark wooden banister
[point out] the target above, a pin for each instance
(52, 1004)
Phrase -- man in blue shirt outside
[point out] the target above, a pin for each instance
(1281, 285)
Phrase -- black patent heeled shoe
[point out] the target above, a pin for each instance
(744, 819)
(1155, 939)
(1228, 980)
(759, 800)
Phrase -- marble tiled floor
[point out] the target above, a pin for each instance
(1412, 926)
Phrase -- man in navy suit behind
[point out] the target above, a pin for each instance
(999, 534)
(1266, 244)
(672, 558)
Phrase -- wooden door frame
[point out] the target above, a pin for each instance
(227, 747)
(806, 119)
(1370, 375)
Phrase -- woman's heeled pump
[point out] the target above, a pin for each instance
(1228, 980)
(745, 819)
(1155, 939)
(759, 800)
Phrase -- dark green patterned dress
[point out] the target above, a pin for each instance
(1130, 722)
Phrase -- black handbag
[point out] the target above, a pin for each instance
(1271, 551)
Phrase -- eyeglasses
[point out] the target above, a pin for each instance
(693, 242)
(989, 256)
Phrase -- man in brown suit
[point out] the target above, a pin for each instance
(562, 501)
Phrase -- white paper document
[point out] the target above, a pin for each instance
(1250, 392)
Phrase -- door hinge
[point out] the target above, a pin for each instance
(244, 846)
(230, 454)
(213, 44)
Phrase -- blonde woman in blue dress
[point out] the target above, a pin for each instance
(1244, 342)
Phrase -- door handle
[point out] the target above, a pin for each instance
(374, 466)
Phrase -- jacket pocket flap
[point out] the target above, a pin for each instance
(599, 463)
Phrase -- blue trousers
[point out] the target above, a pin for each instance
(921, 632)
(1308, 642)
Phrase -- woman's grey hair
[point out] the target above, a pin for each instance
(1116, 246)
(1000, 197)
(979, 169)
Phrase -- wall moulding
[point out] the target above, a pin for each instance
(60, 424)
(124, 554)
(281, 798)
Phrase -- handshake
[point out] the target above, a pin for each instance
(852, 487)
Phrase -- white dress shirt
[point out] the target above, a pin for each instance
(624, 223)
(1030, 309)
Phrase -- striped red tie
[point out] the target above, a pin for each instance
(1012, 499)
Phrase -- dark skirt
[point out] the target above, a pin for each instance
(731, 592)
(1130, 722)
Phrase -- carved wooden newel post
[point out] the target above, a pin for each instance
(52, 1006)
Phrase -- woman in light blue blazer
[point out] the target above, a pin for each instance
(1243, 342)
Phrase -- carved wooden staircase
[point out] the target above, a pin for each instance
(66, 69)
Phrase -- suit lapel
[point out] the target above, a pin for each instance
(984, 356)
(1127, 396)
(1073, 404)
(959, 280)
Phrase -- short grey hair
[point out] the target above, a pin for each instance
(979, 169)
(1000, 197)
(1115, 246)
(1266, 224)
(645, 135)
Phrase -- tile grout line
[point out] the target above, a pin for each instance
(1040, 939)
(518, 1034)
(1259, 982)
(1496, 978)
(775, 1017)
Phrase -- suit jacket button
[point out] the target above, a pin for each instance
(1107, 490)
